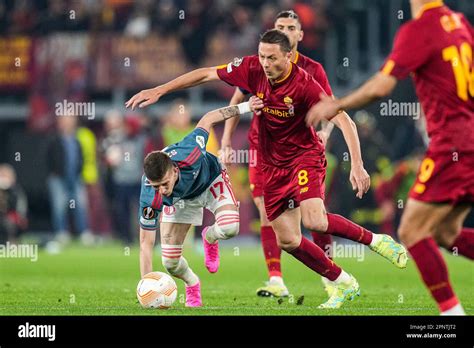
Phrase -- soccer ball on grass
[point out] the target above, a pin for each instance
(157, 290)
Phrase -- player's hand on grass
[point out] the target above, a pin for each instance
(360, 180)
(325, 109)
(144, 98)
(256, 104)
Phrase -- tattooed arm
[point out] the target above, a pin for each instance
(222, 114)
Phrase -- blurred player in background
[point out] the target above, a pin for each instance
(13, 205)
(436, 47)
(293, 160)
(179, 182)
(289, 23)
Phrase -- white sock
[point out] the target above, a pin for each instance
(225, 227)
(343, 278)
(184, 272)
(275, 280)
(325, 280)
(189, 277)
(456, 310)
(212, 235)
(177, 267)
(375, 239)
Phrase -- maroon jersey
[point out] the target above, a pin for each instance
(313, 68)
(436, 47)
(284, 137)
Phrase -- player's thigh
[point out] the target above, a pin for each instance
(420, 220)
(187, 211)
(287, 229)
(219, 196)
(313, 214)
(448, 230)
(259, 203)
(172, 233)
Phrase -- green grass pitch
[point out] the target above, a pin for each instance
(102, 281)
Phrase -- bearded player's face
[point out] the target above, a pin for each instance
(292, 28)
(273, 60)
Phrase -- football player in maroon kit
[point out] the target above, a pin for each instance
(292, 158)
(289, 23)
(436, 47)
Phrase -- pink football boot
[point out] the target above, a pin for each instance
(193, 295)
(211, 253)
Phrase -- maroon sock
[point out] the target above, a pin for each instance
(271, 250)
(313, 257)
(434, 272)
(464, 243)
(341, 227)
(324, 241)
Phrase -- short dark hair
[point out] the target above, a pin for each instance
(288, 14)
(275, 36)
(156, 165)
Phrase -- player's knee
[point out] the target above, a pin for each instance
(288, 243)
(230, 229)
(442, 241)
(228, 223)
(264, 220)
(446, 235)
(404, 235)
(411, 232)
(410, 236)
(261, 211)
(316, 224)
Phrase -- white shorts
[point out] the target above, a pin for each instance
(190, 211)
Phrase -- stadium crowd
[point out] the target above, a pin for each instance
(98, 163)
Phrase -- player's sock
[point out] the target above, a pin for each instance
(341, 227)
(456, 310)
(344, 277)
(176, 264)
(211, 235)
(271, 250)
(434, 273)
(464, 243)
(225, 227)
(276, 280)
(315, 258)
(324, 241)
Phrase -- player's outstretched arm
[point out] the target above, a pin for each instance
(379, 86)
(230, 125)
(359, 177)
(147, 243)
(223, 114)
(190, 79)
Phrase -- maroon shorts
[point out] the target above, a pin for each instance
(286, 187)
(255, 175)
(445, 178)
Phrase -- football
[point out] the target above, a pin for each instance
(157, 290)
